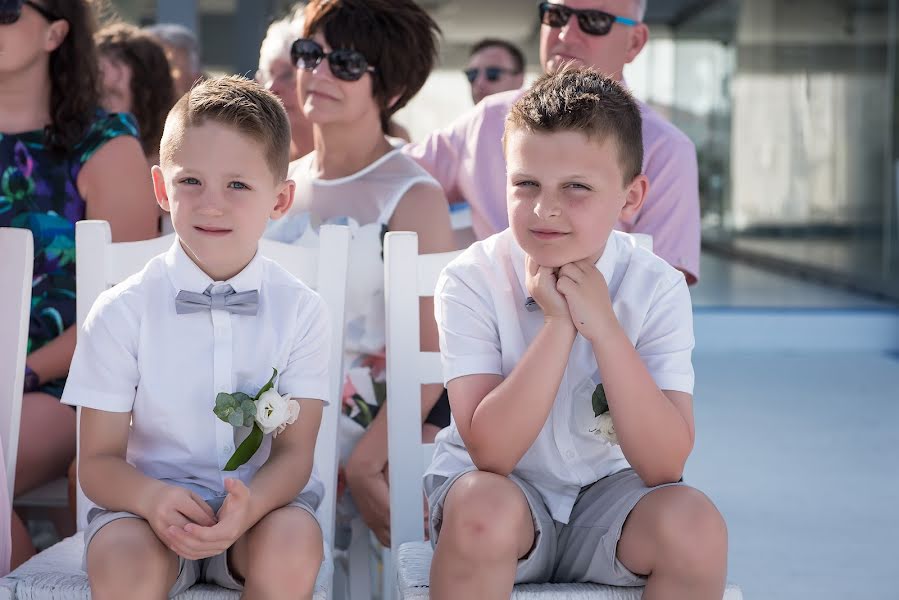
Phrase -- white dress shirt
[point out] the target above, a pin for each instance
(137, 354)
(485, 328)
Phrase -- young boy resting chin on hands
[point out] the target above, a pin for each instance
(566, 352)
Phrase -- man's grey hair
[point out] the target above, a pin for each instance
(280, 36)
(640, 5)
(180, 37)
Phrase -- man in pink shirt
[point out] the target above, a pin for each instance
(467, 157)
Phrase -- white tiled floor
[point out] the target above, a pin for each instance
(727, 283)
(799, 449)
(801, 454)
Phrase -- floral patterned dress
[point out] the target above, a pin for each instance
(38, 191)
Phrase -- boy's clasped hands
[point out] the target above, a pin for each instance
(189, 526)
(574, 293)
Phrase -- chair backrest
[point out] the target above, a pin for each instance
(408, 277)
(17, 250)
(102, 263)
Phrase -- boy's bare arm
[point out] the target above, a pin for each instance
(499, 419)
(287, 470)
(112, 483)
(654, 428)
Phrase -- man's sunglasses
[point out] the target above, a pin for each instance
(490, 73)
(11, 10)
(592, 22)
(345, 64)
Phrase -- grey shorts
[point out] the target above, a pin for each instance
(584, 549)
(208, 570)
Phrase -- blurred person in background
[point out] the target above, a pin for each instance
(279, 75)
(63, 159)
(135, 78)
(182, 49)
(358, 63)
(494, 66)
(467, 156)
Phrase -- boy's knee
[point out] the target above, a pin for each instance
(483, 515)
(286, 555)
(692, 532)
(127, 555)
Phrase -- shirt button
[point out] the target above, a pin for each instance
(570, 454)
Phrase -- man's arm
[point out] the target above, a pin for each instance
(440, 154)
(670, 213)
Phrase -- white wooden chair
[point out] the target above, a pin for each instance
(17, 250)
(408, 277)
(56, 573)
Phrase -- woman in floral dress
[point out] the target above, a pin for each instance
(61, 160)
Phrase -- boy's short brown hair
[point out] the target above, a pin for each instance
(582, 99)
(236, 102)
(397, 37)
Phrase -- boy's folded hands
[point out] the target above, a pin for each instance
(195, 541)
(541, 284)
(576, 292)
(189, 526)
(587, 295)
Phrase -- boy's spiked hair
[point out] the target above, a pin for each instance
(582, 99)
(236, 102)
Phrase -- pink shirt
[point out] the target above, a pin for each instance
(5, 516)
(467, 159)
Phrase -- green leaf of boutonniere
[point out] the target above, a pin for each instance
(267, 386)
(225, 405)
(237, 409)
(246, 449)
(600, 404)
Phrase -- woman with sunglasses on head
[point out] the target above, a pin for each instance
(62, 159)
(358, 63)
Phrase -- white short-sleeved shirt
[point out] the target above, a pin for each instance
(137, 354)
(485, 329)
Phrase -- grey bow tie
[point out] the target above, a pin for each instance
(223, 297)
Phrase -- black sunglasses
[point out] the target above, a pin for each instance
(11, 10)
(490, 73)
(346, 64)
(592, 22)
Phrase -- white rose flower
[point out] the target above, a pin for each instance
(603, 427)
(275, 412)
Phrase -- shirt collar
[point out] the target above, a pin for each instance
(605, 264)
(186, 275)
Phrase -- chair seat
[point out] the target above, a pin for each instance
(56, 574)
(414, 565)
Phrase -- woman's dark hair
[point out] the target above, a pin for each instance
(397, 37)
(152, 88)
(74, 79)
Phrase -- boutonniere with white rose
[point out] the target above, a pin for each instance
(602, 419)
(267, 412)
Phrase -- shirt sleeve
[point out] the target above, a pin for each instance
(469, 336)
(670, 213)
(666, 340)
(441, 153)
(306, 374)
(104, 372)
